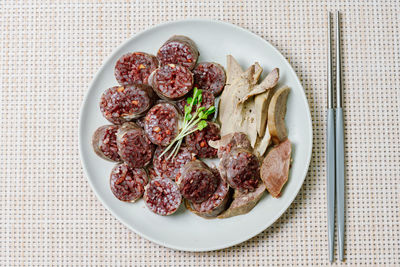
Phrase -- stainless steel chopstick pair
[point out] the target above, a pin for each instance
(335, 147)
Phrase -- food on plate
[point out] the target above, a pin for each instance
(134, 147)
(257, 73)
(215, 204)
(268, 83)
(276, 115)
(244, 83)
(244, 104)
(261, 103)
(243, 202)
(197, 182)
(162, 196)
(180, 50)
(161, 123)
(171, 81)
(233, 75)
(140, 122)
(262, 144)
(207, 101)
(135, 68)
(171, 167)
(191, 121)
(104, 142)
(127, 184)
(151, 172)
(209, 76)
(230, 141)
(248, 116)
(160, 145)
(197, 142)
(234, 70)
(275, 167)
(233, 115)
(124, 103)
(241, 169)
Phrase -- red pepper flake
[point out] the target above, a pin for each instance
(135, 102)
(157, 129)
(167, 131)
(120, 89)
(203, 143)
(120, 180)
(141, 66)
(157, 183)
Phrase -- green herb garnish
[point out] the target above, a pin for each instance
(191, 122)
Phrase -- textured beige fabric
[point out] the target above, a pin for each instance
(50, 50)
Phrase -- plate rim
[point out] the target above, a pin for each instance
(160, 242)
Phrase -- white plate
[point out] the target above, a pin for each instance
(184, 230)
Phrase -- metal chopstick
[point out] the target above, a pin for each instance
(330, 155)
(339, 144)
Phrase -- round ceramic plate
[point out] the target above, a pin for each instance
(184, 230)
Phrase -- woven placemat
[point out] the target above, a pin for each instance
(49, 52)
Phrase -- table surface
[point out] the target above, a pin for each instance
(50, 52)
